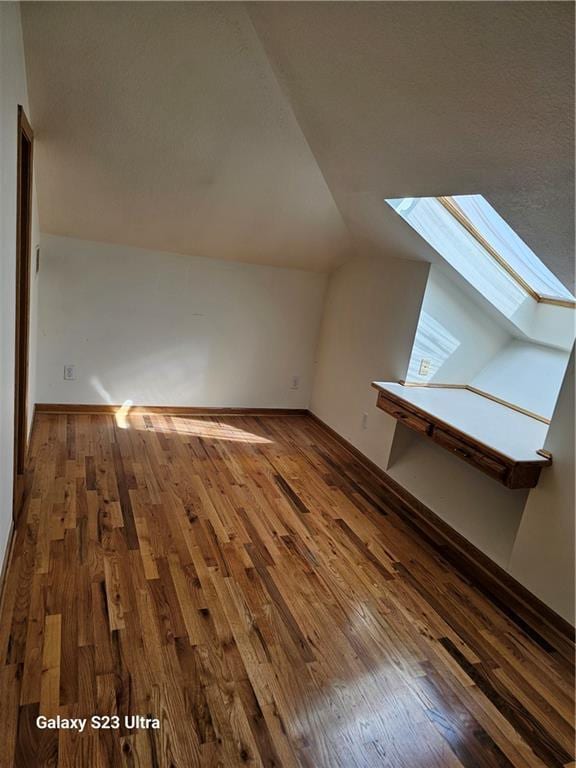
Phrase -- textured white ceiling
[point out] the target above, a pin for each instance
(180, 126)
(424, 98)
(161, 125)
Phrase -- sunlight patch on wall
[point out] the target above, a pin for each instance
(101, 390)
(433, 344)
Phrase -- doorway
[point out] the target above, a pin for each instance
(23, 247)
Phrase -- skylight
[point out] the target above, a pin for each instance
(471, 236)
(511, 247)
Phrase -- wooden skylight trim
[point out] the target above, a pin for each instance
(456, 212)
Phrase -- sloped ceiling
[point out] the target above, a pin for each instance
(419, 99)
(235, 131)
(161, 125)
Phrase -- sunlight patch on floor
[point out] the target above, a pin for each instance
(214, 431)
(121, 414)
(211, 430)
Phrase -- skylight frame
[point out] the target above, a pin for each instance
(456, 212)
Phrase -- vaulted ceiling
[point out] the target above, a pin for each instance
(162, 125)
(272, 132)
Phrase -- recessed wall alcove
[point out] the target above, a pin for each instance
(489, 355)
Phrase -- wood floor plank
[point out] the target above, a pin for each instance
(50, 680)
(10, 680)
(244, 580)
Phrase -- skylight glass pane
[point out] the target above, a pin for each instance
(460, 249)
(510, 246)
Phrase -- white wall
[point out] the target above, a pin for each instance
(482, 510)
(528, 375)
(371, 311)
(465, 345)
(13, 91)
(454, 333)
(546, 323)
(370, 316)
(543, 554)
(162, 329)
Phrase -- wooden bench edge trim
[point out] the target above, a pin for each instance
(474, 390)
(544, 461)
(472, 563)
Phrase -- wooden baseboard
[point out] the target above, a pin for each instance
(6, 563)
(167, 410)
(18, 503)
(512, 597)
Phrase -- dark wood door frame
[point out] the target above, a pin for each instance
(23, 251)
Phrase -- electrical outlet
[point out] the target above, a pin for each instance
(69, 373)
(295, 382)
(364, 421)
(425, 366)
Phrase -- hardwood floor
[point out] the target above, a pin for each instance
(247, 582)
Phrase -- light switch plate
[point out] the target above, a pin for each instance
(425, 366)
